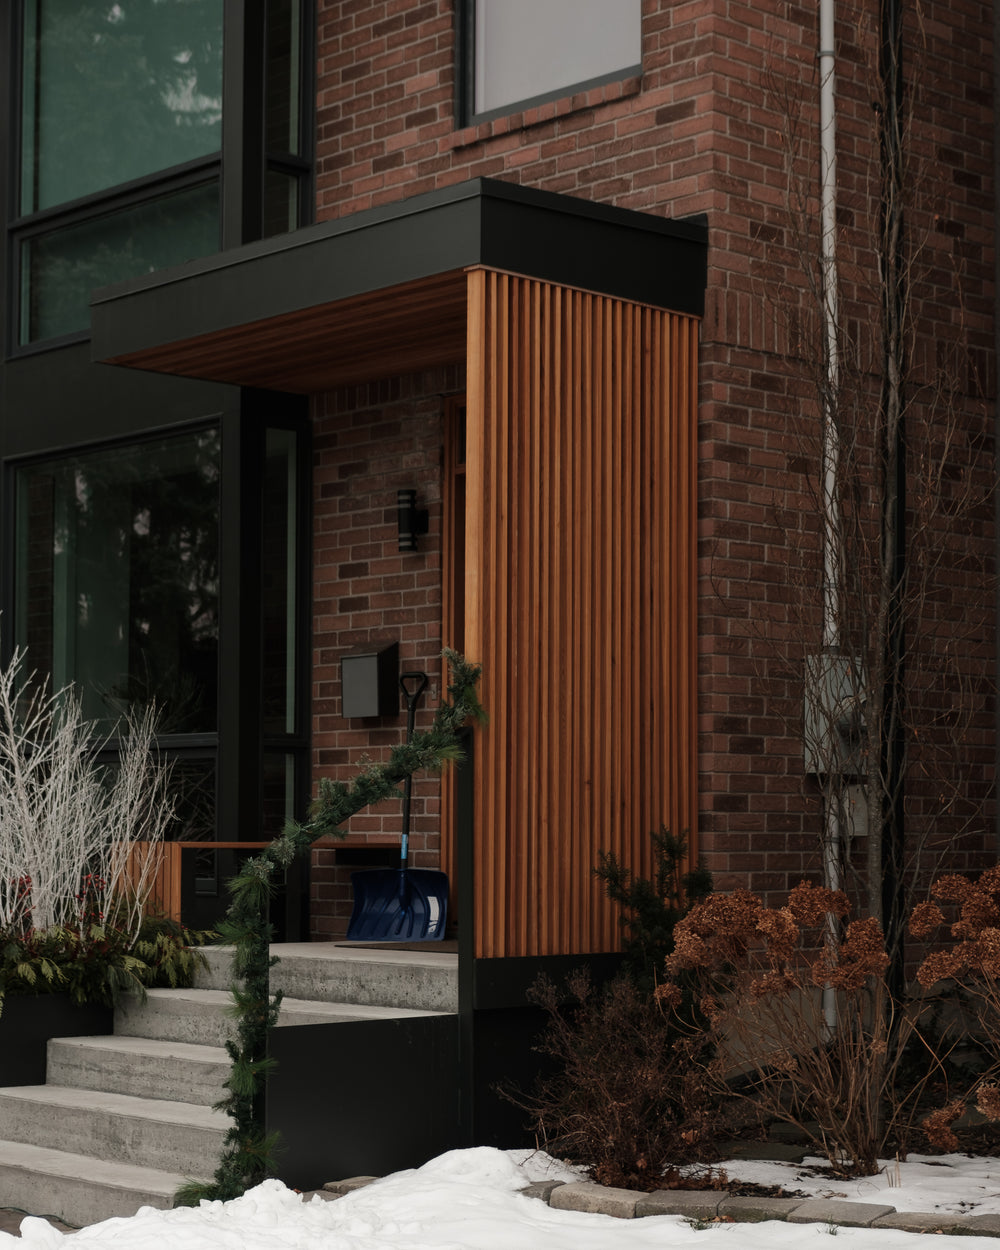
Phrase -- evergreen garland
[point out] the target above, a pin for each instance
(247, 1149)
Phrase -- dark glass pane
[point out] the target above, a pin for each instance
(59, 270)
(281, 101)
(117, 578)
(281, 202)
(278, 560)
(278, 792)
(116, 91)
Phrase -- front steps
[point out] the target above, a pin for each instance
(124, 1120)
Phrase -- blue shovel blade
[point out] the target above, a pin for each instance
(399, 905)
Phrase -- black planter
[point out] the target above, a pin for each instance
(27, 1023)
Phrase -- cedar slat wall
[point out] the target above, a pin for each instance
(579, 601)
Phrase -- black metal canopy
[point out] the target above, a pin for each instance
(384, 291)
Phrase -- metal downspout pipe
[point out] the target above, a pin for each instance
(830, 505)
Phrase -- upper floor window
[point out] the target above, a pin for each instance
(115, 92)
(522, 52)
(129, 110)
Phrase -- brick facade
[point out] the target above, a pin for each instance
(371, 441)
(722, 122)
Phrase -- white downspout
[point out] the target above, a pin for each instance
(832, 553)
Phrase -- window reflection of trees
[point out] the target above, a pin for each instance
(134, 544)
(116, 92)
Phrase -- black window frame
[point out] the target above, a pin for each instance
(197, 744)
(238, 741)
(240, 168)
(465, 77)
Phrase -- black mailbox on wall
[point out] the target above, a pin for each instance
(369, 682)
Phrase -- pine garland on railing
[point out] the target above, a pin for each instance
(247, 1149)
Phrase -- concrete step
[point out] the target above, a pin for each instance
(116, 1128)
(80, 1190)
(330, 972)
(203, 1016)
(144, 1067)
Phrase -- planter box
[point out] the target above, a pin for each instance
(27, 1023)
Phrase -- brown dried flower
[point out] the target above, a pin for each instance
(925, 919)
(979, 912)
(988, 1101)
(861, 955)
(773, 982)
(781, 932)
(952, 888)
(938, 1124)
(668, 994)
(938, 966)
(710, 1007)
(716, 931)
(810, 904)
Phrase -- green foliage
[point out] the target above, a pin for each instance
(96, 962)
(247, 1150)
(651, 906)
(170, 952)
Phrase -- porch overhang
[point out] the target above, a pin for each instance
(383, 292)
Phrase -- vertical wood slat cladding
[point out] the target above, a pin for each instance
(579, 601)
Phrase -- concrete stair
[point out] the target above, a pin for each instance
(124, 1120)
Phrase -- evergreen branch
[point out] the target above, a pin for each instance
(247, 1156)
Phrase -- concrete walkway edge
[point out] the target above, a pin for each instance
(718, 1206)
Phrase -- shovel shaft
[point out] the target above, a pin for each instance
(412, 699)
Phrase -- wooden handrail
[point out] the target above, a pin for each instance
(165, 895)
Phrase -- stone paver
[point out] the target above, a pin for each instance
(838, 1211)
(694, 1204)
(751, 1208)
(982, 1225)
(710, 1204)
(348, 1185)
(917, 1222)
(599, 1199)
(542, 1190)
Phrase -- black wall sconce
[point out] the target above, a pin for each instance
(410, 519)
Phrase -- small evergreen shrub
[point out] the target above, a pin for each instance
(650, 907)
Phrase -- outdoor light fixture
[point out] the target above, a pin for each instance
(410, 519)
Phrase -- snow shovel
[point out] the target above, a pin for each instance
(401, 904)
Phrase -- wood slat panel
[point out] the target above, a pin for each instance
(580, 601)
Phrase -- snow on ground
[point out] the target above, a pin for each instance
(468, 1200)
(953, 1184)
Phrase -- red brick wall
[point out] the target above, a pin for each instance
(724, 122)
(370, 441)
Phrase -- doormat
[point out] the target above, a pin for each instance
(446, 947)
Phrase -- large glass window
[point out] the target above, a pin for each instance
(121, 143)
(121, 137)
(60, 268)
(117, 582)
(112, 92)
(521, 52)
